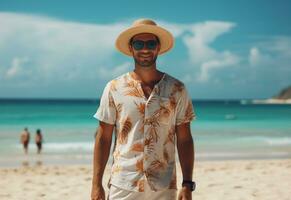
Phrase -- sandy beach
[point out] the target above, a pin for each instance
(233, 179)
(272, 101)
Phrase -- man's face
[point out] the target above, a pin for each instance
(146, 56)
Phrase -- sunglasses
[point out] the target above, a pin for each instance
(139, 44)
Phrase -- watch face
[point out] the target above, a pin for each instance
(190, 184)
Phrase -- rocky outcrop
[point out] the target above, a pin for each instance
(284, 94)
(284, 97)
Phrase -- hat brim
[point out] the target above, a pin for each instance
(165, 37)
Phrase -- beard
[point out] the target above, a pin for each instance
(145, 62)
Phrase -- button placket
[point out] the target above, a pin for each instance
(145, 130)
(148, 108)
(145, 136)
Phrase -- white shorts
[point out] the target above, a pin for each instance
(116, 193)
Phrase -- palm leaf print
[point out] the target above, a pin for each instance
(111, 102)
(171, 136)
(154, 133)
(133, 90)
(166, 155)
(118, 110)
(154, 124)
(189, 111)
(130, 84)
(157, 91)
(113, 85)
(137, 147)
(158, 165)
(150, 173)
(177, 87)
(173, 103)
(149, 143)
(152, 100)
(139, 166)
(140, 108)
(173, 183)
(124, 131)
(134, 183)
(139, 184)
(141, 129)
(162, 112)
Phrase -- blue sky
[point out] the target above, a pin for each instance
(65, 49)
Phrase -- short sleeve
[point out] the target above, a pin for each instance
(185, 110)
(107, 110)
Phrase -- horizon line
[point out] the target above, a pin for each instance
(90, 99)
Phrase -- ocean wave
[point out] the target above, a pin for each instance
(271, 141)
(278, 141)
(239, 154)
(69, 147)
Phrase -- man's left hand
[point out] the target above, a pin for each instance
(185, 194)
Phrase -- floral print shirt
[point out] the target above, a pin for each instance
(144, 130)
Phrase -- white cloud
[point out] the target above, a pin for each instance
(176, 29)
(117, 71)
(279, 44)
(271, 52)
(254, 56)
(61, 50)
(203, 34)
(258, 58)
(37, 50)
(202, 54)
(16, 67)
(198, 38)
(58, 50)
(226, 59)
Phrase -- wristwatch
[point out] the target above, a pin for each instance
(190, 184)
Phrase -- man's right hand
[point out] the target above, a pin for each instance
(97, 193)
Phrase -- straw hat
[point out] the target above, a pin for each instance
(144, 26)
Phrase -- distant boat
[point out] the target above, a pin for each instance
(244, 102)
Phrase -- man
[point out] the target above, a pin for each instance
(38, 140)
(150, 112)
(24, 139)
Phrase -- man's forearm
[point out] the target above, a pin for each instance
(101, 154)
(186, 156)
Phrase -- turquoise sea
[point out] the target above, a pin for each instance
(224, 129)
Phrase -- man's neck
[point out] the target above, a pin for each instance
(148, 74)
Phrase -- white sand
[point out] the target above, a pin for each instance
(217, 180)
(272, 101)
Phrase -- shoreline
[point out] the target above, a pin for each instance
(272, 101)
(40, 163)
(18, 161)
(228, 180)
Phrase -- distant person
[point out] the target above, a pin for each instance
(38, 140)
(24, 139)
